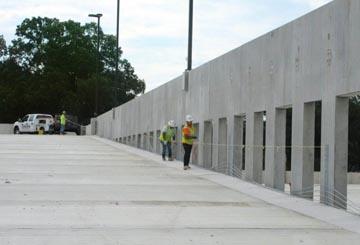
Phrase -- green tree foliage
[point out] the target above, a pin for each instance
(51, 66)
(354, 134)
(3, 48)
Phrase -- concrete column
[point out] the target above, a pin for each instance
(215, 149)
(302, 152)
(148, 141)
(208, 144)
(334, 152)
(195, 149)
(157, 142)
(151, 141)
(93, 122)
(275, 156)
(201, 141)
(222, 146)
(230, 145)
(253, 150)
(154, 142)
(180, 150)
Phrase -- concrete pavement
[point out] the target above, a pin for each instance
(79, 190)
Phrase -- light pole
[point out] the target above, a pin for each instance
(117, 49)
(117, 38)
(191, 9)
(98, 16)
(189, 56)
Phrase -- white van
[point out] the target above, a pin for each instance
(34, 123)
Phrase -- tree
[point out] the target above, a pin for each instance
(3, 48)
(51, 66)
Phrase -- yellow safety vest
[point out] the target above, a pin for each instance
(192, 133)
(169, 135)
(62, 119)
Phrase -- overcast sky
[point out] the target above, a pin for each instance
(153, 33)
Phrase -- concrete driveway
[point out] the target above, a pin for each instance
(68, 190)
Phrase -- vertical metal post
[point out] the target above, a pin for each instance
(189, 59)
(98, 69)
(98, 16)
(117, 38)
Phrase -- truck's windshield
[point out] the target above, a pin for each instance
(25, 118)
(44, 117)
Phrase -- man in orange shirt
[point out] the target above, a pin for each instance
(188, 136)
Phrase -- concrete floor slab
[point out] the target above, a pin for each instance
(79, 190)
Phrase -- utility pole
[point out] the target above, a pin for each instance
(98, 16)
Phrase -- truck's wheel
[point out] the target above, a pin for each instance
(16, 130)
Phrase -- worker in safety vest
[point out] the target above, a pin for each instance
(188, 136)
(167, 137)
(62, 122)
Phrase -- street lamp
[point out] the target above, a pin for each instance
(98, 16)
(117, 38)
(191, 8)
(190, 38)
(117, 48)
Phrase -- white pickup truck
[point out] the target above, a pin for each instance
(34, 123)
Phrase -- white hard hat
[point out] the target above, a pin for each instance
(189, 118)
(171, 123)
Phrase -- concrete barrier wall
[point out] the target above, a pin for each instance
(353, 178)
(314, 58)
(6, 128)
(88, 130)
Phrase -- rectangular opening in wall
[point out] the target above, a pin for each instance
(264, 141)
(354, 137)
(208, 144)
(120, 140)
(353, 168)
(133, 141)
(195, 150)
(175, 145)
(222, 146)
(317, 158)
(288, 146)
(244, 144)
(145, 142)
(138, 142)
(238, 146)
(129, 140)
(151, 141)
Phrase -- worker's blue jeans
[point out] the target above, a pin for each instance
(62, 129)
(166, 147)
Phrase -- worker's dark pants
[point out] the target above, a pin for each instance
(62, 129)
(187, 149)
(166, 146)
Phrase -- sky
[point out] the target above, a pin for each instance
(153, 33)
